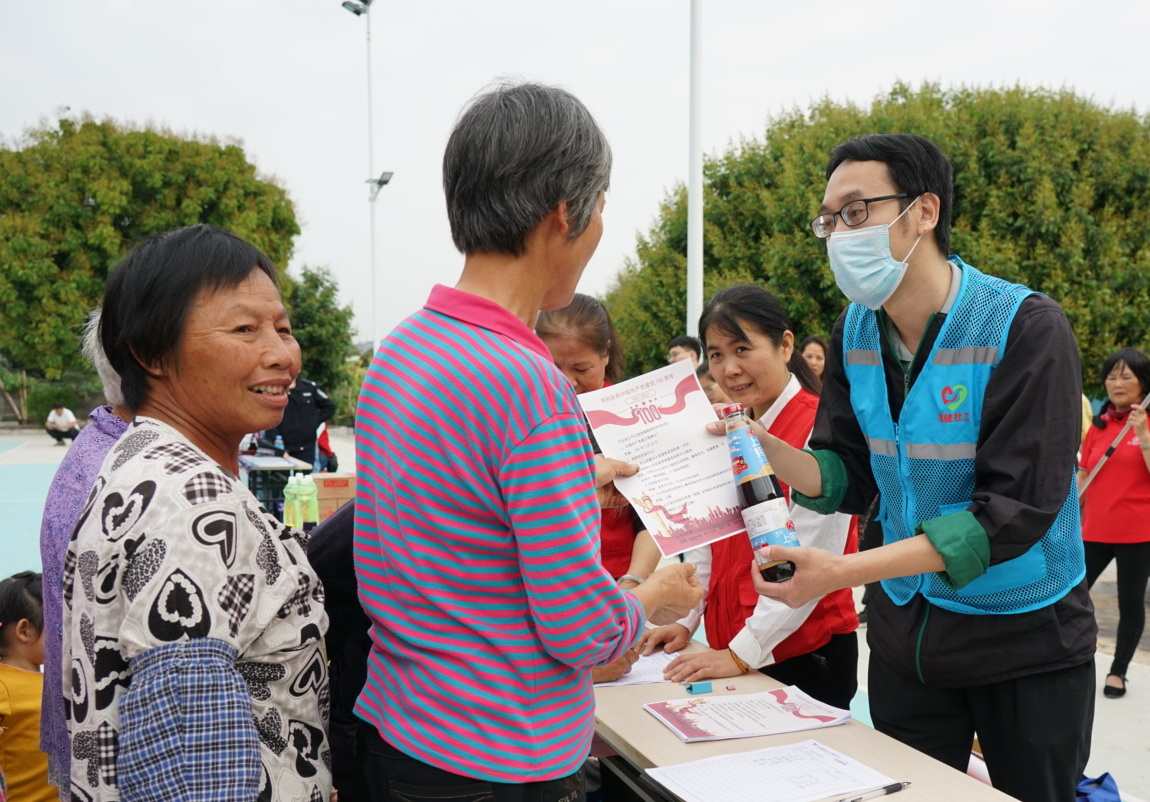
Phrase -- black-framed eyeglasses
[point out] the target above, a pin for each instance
(853, 214)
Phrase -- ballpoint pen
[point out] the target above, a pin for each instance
(886, 790)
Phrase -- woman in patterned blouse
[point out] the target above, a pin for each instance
(193, 626)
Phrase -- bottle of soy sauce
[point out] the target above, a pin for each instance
(764, 507)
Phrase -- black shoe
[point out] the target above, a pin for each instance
(1112, 692)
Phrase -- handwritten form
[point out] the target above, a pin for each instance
(644, 671)
(804, 772)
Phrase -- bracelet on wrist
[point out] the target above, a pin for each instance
(638, 580)
(742, 666)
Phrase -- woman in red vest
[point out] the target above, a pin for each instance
(584, 347)
(751, 352)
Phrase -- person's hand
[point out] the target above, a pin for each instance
(616, 669)
(1138, 421)
(711, 664)
(815, 574)
(719, 427)
(607, 470)
(670, 639)
(676, 591)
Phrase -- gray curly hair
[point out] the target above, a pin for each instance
(94, 353)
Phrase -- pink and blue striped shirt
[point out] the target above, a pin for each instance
(476, 548)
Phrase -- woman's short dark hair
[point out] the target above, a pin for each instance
(815, 339)
(21, 596)
(915, 164)
(1139, 365)
(149, 293)
(588, 321)
(757, 307)
(515, 153)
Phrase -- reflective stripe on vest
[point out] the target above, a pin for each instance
(923, 464)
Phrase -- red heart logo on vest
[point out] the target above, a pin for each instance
(953, 397)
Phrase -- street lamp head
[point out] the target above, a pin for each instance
(379, 183)
(359, 9)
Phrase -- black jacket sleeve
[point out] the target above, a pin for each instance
(837, 429)
(1029, 436)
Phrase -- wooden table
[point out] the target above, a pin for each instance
(644, 742)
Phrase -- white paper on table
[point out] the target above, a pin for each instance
(644, 671)
(804, 772)
(718, 718)
(684, 491)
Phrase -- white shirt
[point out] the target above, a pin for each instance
(65, 421)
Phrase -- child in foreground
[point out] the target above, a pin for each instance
(24, 766)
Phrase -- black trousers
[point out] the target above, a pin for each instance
(393, 776)
(60, 436)
(1034, 730)
(829, 674)
(1133, 573)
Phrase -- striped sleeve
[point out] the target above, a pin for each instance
(581, 616)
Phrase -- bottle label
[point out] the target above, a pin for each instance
(769, 524)
(747, 458)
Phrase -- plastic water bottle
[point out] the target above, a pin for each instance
(292, 512)
(279, 445)
(308, 495)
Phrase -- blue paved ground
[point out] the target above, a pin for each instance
(23, 489)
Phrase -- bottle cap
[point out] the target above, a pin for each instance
(732, 409)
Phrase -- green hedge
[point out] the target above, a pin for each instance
(1051, 189)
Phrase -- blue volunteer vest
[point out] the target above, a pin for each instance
(923, 463)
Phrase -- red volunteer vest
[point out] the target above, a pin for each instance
(731, 597)
(617, 540)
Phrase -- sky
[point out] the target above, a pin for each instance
(287, 79)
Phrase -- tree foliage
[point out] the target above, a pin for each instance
(1051, 189)
(322, 327)
(75, 197)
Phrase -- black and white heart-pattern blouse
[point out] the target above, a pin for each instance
(169, 548)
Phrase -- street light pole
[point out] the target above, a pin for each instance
(695, 182)
(373, 192)
(362, 8)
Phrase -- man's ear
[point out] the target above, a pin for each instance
(930, 207)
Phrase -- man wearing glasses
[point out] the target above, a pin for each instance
(953, 396)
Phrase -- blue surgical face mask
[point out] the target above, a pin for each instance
(862, 263)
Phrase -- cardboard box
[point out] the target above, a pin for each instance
(333, 490)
